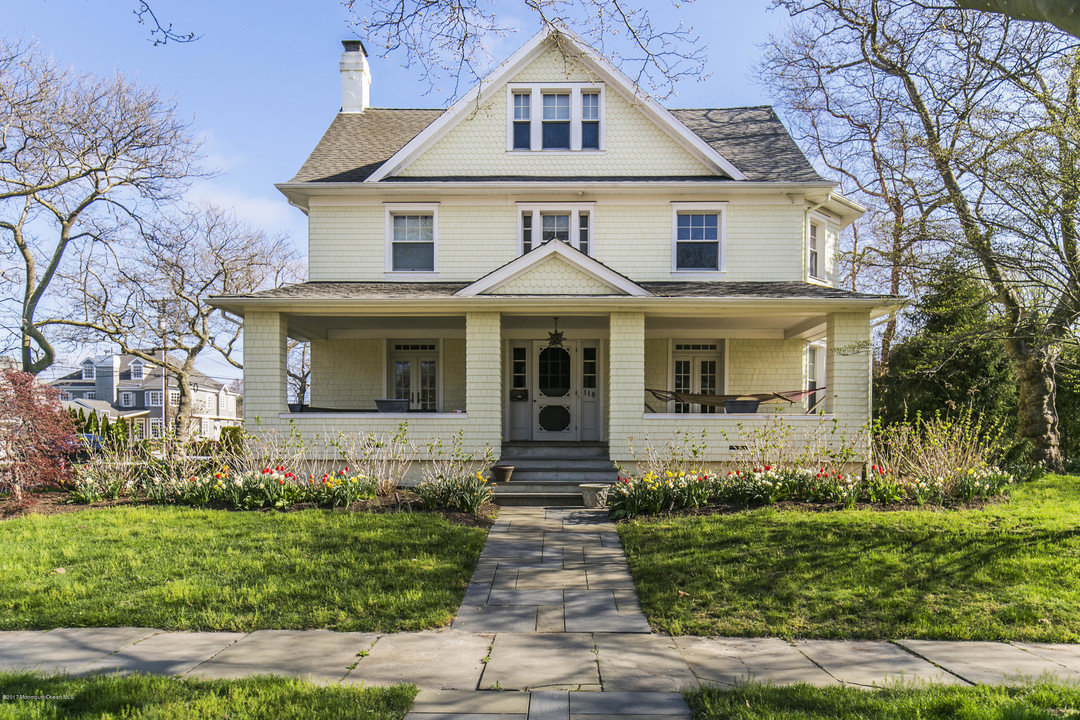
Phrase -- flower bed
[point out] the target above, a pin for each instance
(654, 493)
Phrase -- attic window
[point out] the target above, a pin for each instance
(555, 117)
(136, 370)
(88, 370)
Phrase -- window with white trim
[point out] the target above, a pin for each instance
(555, 117)
(90, 396)
(137, 429)
(127, 399)
(697, 369)
(174, 397)
(136, 370)
(157, 428)
(153, 398)
(88, 370)
(697, 238)
(815, 376)
(570, 224)
(64, 395)
(815, 236)
(411, 238)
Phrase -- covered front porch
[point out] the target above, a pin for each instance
(495, 375)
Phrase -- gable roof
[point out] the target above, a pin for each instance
(574, 259)
(753, 138)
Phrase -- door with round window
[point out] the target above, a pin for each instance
(556, 394)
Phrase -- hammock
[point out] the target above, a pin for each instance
(788, 396)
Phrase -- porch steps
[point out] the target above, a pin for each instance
(548, 473)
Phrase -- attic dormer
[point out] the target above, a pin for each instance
(137, 366)
(87, 369)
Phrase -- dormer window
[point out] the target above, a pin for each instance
(555, 117)
(88, 370)
(136, 370)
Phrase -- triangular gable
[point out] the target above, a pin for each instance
(554, 268)
(611, 75)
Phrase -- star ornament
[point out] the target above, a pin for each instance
(555, 339)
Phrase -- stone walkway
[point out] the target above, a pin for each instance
(550, 611)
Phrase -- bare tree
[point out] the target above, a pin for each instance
(981, 99)
(77, 155)
(151, 297)
(298, 369)
(450, 38)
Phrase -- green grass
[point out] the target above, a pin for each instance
(186, 569)
(983, 702)
(1006, 572)
(138, 697)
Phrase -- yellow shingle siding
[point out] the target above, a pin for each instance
(554, 277)
(347, 374)
(453, 374)
(757, 366)
(264, 368)
(634, 145)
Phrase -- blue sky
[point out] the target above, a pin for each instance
(261, 84)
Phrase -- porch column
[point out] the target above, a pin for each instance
(626, 380)
(848, 369)
(483, 380)
(264, 368)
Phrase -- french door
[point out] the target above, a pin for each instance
(414, 376)
(698, 376)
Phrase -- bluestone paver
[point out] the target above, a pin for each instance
(641, 663)
(496, 619)
(645, 704)
(66, 649)
(317, 655)
(461, 701)
(988, 663)
(1067, 656)
(445, 659)
(871, 662)
(556, 661)
(730, 661)
(549, 705)
(167, 653)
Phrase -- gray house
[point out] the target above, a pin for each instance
(124, 386)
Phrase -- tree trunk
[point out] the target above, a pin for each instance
(1038, 418)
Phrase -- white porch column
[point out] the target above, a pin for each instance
(626, 381)
(264, 368)
(483, 380)
(848, 367)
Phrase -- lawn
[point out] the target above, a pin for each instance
(187, 569)
(161, 698)
(983, 702)
(1005, 572)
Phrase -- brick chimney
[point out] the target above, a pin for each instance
(355, 77)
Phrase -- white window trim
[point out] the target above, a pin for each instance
(64, 396)
(574, 209)
(717, 208)
(92, 395)
(174, 397)
(127, 399)
(536, 116)
(88, 367)
(136, 365)
(389, 353)
(822, 221)
(393, 209)
(151, 396)
(157, 428)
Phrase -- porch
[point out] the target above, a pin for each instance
(493, 374)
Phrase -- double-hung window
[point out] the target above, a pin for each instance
(136, 370)
(522, 129)
(555, 117)
(153, 398)
(698, 238)
(411, 238)
(815, 237)
(127, 399)
(566, 223)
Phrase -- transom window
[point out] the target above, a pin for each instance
(569, 224)
(411, 238)
(698, 238)
(561, 116)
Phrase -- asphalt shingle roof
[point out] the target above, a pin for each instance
(384, 290)
(751, 138)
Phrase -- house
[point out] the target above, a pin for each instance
(526, 264)
(125, 386)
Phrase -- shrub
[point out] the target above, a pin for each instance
(36, 434)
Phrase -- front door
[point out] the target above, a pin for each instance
(556, 402)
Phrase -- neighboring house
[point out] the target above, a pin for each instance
(686, 250)
(124, 386)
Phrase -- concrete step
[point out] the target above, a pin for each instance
(595, 465)
(575, 477)
(542, 486)
(522, 450)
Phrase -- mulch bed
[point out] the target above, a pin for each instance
(731, 509)
(52, 502)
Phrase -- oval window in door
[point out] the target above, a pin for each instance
(554, 418)
(553, 372)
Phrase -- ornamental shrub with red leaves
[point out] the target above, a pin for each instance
(36, 434)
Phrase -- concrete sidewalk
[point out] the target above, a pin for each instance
(551, 610)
